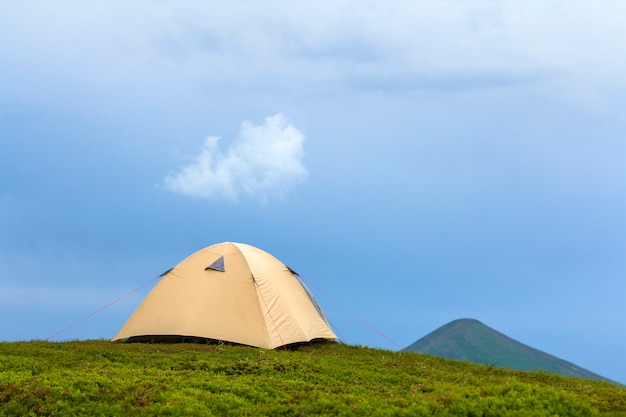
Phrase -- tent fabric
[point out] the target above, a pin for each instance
(254, 300)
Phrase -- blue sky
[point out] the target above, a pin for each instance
(418, 161)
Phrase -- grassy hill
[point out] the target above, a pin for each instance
(471, 340)
(99, 378)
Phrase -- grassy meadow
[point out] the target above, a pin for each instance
(99, 378)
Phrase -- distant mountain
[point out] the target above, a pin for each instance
(472, 341)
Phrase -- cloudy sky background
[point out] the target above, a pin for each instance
(418, 161)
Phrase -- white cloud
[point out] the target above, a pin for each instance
(421, 42)
(262, 161)
(161, 50)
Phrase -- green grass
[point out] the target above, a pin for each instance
(98, 378)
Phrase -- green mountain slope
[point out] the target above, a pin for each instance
(99, 378)
(470, 340)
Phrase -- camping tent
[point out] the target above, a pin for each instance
(230, 292)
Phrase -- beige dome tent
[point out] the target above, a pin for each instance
(230, 292)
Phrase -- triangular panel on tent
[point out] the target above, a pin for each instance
(244, 295)
(217, 265)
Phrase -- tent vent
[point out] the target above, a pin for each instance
(218, 265)
(165, 273)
